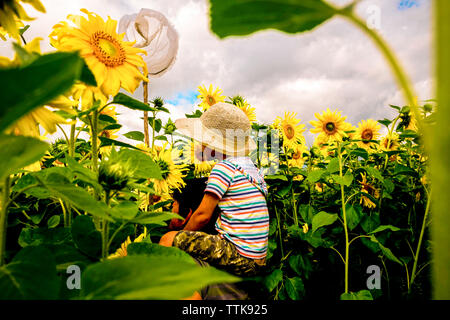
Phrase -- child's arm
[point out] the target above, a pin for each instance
(204, 212)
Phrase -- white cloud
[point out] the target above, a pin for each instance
(334, 66)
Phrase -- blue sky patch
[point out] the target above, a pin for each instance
(408, 4)
(187, 97)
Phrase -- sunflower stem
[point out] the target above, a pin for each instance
(146, 135)
(105, 229)
(419, 244)
(4, 218)
(344, 216)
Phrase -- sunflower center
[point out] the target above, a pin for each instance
(164, 166)
(297, 155)
(211, 100)
(289, 131)
(367, 135)
(107, 49)
(330, 128)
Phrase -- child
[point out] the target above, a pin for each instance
(236, 186)
(186, 201)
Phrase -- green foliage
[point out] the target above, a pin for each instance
(148, 277)
(30, 275)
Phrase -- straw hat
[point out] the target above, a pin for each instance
(223, 127)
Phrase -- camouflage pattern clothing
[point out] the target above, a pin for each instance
(218, 252)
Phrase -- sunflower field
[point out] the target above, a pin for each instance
(361, 214)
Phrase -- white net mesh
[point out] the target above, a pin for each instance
(152, 32)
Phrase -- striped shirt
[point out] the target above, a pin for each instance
(244, 218)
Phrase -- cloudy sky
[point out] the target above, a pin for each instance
(333, 66)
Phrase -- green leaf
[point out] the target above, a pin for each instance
(87, 76)
(157, 218)
(125, 210)
(112, 127)
(307, 212)
(23, 89)
(235, 17)
(196, 114)
(385, 227)
(86, 237)
(24, 56)
(353, 214)
(135, 135)
(145, 167)
(272, 280)
(18, 152)
(105, 142)
(374, 173)
(333, 166)
(106, 118)
(386, 251)
(157, 126)
(360, 295)
(388, 186)
(53, 222)
(385, 122)
(43, 236)
(346, 180)
(370, 222)
(323, 219)
(130, 102)
(148, 277)
(30, 275)
(153, 249)
(315, 175)
(294, 288)
(359, 152)
(162, 138)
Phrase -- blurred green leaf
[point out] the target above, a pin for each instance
(23, 89)
(18, 152)
(234, 17)
(148, 277)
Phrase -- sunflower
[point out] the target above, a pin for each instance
(298, 160)
(367, 130)
(111, 112)
(390, 142)
(172, 176)
(87, 95)
(248, 110)
(114, 62)
(369, 189)
(331, 125)
(290, 129)
(209, 97)
(324, 148)
(28, 125)
(122, 251)
(12, 13)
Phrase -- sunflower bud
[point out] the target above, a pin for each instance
(113, 175)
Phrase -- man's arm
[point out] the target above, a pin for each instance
(204, 212)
